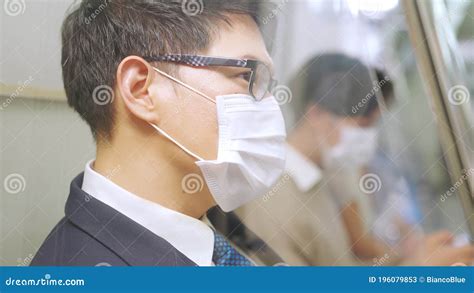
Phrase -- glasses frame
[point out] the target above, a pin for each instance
(205, 61)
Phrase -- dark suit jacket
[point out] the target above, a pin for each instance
(94, 234)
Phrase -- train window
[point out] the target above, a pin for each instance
(453, 44)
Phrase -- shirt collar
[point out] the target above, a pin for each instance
(302, 170)
(190, 236)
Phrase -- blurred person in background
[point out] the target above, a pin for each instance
(312, 215)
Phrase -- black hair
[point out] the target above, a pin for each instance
(341, 85)
(98, 35)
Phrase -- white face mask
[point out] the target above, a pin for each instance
(356, 147)
(251, 149)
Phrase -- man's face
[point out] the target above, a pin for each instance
(190, 118)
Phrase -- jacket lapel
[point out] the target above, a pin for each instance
(133, 243)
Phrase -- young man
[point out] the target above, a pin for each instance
(178, 102)
(312, 216)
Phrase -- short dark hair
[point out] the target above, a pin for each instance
(98, 34)
(341, 84)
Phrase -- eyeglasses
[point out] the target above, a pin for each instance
(260, 79)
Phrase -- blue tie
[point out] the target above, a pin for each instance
(225, 255)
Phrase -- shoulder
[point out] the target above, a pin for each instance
(69, 245)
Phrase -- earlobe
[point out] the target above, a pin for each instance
(313, 114)
(134, 77)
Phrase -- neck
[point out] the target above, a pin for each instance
(302, 139)
(157, 171)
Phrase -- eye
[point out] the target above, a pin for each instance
(245, 75)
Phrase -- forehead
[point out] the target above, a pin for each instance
(240, 38)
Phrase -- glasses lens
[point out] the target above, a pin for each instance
(261, 81)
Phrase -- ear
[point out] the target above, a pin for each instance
(316, 115)
(134, 77)
(312, 111)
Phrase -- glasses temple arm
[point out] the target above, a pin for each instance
(185, 85)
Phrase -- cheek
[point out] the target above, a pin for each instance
(198, 118)
(205, 116)
(333, 139)
(199, 122)
(209, 133)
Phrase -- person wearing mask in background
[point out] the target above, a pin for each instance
(140, 74)
(311, 216)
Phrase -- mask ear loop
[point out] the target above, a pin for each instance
(185, 85)
(185, 149)
(162, 132)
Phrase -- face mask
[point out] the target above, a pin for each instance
(251, 148)
(355, 149)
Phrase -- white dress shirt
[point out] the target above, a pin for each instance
(343, 184)
(190, 236)
(302, 170)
